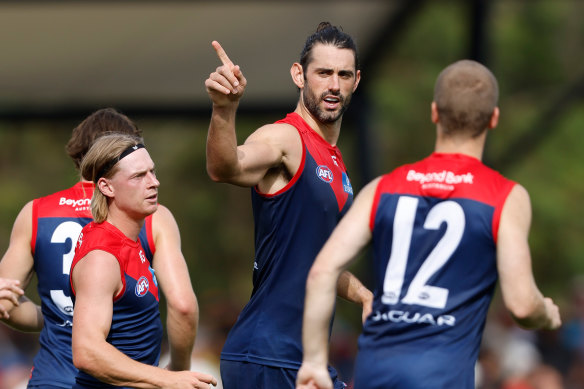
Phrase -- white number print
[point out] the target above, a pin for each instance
(419, 292)
(66, 230)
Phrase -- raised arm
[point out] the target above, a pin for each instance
(96, 280)
(17, 265)
(267, 148)
(174, 280)
(347, 240)
(521, 296)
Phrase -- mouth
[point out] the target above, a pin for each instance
(153, 198)
(332, 102)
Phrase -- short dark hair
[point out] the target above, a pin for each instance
(100, 122)
(466, 94)
(328, 34)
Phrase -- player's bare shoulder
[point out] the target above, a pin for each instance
(282, 136)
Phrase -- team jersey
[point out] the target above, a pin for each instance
(136, 329)
(57, 220)
(434, 231)
(291, 226)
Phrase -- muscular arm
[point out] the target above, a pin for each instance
(347, 240)
(173, 277)
(96, 279)
(18, 264)
(521, 296)
(249, 163)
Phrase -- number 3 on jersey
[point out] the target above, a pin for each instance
(64, 231)
(419, 292)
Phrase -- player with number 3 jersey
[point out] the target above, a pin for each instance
(42, 242)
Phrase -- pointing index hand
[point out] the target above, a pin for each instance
(221, 53)
(227, 83)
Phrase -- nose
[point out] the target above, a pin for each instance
(334, 84)
(153, 180)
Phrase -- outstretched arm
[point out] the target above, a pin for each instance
(350, 236)
(225, 87)
(267, 148)
(173, 277)
(17, 265)
(521, 296)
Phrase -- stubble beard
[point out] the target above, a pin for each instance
(312, 104)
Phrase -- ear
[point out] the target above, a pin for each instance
(494, 119)
(357, 79)
(105, 187)
(434, 112)
(297, 75)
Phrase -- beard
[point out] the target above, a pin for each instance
(312, 104)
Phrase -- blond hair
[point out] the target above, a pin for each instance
(101, 161)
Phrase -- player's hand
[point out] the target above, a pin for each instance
(9, 290)
(553, 313)
(367, 307)
(227, 83)
(313, 377)
(191, 379)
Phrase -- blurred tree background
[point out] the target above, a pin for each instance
(536, 50)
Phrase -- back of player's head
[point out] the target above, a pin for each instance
(466, 94)
(327, 34)
(100, 122)
(102, 160)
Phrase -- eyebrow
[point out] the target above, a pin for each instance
(331, 70)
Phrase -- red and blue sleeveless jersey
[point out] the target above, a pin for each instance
(434, 231)
(57, 220)
(291, 226)
(136, 328)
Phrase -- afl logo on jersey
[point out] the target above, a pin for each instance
(324, 173)
(142, 287)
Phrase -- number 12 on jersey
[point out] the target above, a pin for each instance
(419, 292)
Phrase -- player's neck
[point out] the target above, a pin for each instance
(328, 131)
(460, 144)
(129, 226)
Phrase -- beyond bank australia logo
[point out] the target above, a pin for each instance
(324, 173)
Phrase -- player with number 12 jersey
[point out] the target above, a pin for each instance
(434, 230)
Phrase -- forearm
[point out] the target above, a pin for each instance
(221, 146)
(26, 317)
(351, 289)
(318, 310)
(106, 363)
(182, 331)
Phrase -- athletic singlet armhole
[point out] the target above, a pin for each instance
(35, 212)
(375, 203)
(149, 234)
(296, 175)
(499, 211)
(122, 275)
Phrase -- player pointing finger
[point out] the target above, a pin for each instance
(227, 83)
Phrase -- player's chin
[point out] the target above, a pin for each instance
(150, 207)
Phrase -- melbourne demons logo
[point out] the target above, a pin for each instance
(142, 287)
(324, 173)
